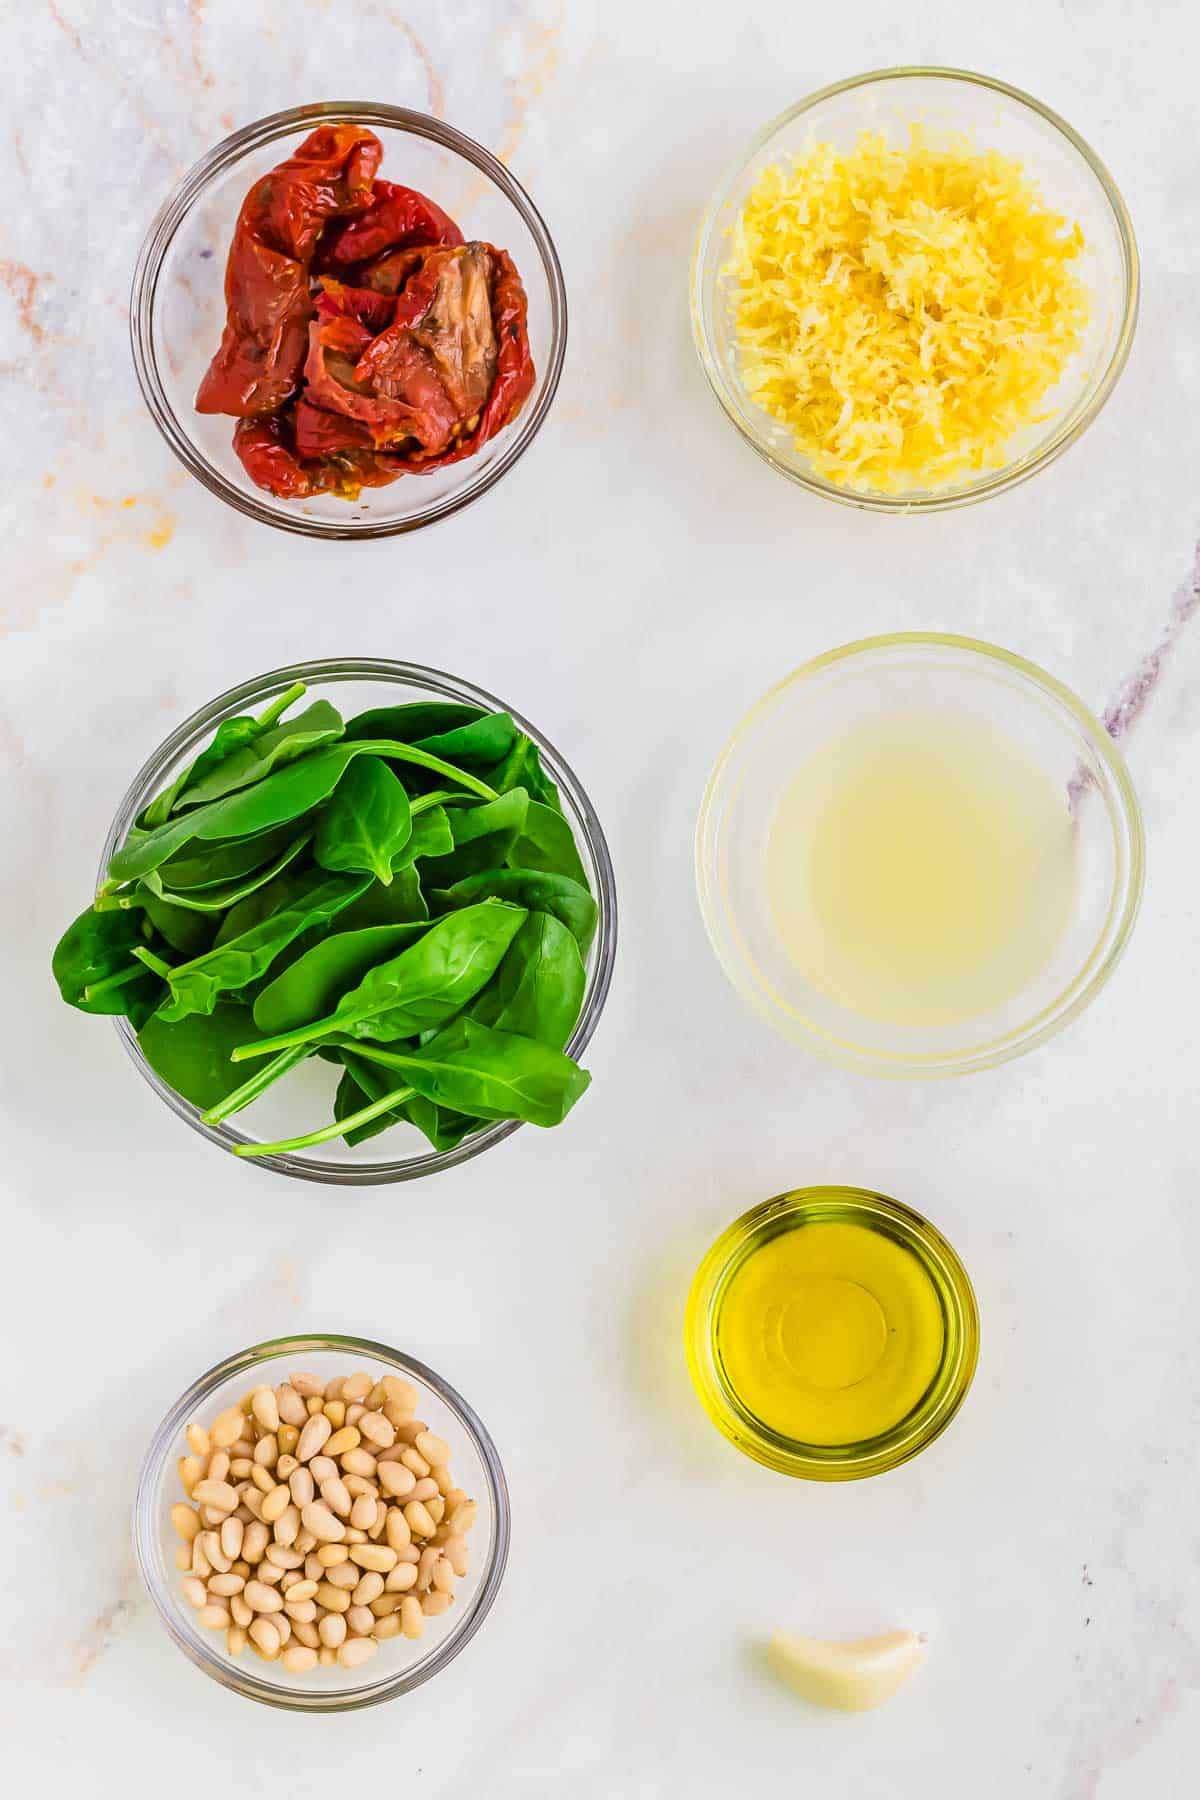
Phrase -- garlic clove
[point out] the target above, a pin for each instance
(851, 1677)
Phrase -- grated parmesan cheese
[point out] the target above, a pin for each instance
(904, 311)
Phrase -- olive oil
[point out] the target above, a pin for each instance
(921, 869)
(829, 1333)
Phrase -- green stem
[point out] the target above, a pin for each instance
(151, 961)
(257, 1084)
(387, 1059)
(278, 707)
(110, 902)
(390, 750)
(112, 982)
(286, 1040)
(338, 1129)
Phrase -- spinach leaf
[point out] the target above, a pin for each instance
(318, 724)
(538, 989)
(483, 837)
(522, 767)
(213, 865)
(402, 903)
(193, 1055)
(421, 987)
(187, 932)
(547, 842)
(287, 794)
(532, 888)
(195, 986)
(231, 734)
(220, 898)
(490, 1074)
(93, 961)
(409, 723)
(367, 823)
(349, 1099)
(486, 740)
(312, 986)
(431, 836)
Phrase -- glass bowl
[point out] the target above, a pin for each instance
(401, 1664)
(996, 116)
(305, 1098)
(936, 1407)
(177, 309)
(880, 678)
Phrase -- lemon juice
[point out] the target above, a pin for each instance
(921, 869)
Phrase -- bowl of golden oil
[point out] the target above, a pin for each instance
(831, 1333)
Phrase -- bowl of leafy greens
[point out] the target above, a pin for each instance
(355, 921)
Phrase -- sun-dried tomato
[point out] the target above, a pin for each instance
(365, 339)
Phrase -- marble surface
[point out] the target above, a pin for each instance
(632, 586)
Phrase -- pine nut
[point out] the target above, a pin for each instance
(313, 1406)
(464, 1516)
(287, 1526)
(214, 1617)
(285, 1467)
(318, 1519)
(217, 1494)
(283, 1626)
(436, 1508)
(368, 1589)
(289, 1405)
(314, 1437)
(217, 1558)
(387, 1627)
(231, 1534)
(443, 1576)
(384, 1605)
(435, 1603)
(341, 1441)
(333, 1493)
(263, 1633)
(200, 1563)
(235, 1640)
(355, 1411)
(430, 1559)
(190, 1470)
(183, 1557)
(330, 1555)
(305, 1541)
(303, 1612)
(303, 1590)
(283, 1558)
(252, 1501)
(403, 1576)
(396, 1480)
(426, 1489)
(287, 1437)
(396, 1414)
(362, 1512)
(242, 1614)
(457, 1555)
(408, 1433)
(266, 1451)
(274, 1503)
(412, 1619)
(262, 1478)
(302, 1486)
(298, 1659)
(359, 1484)
(354, 1535)
(356, 1651)
(254, 1541)
(357, 1386)
(373, 1556)
(332, 1630)
(262, 1598)
(218, 1466)
(361, 1620)
(322, 1468)
(347, 1575)
(186, 1521)
(433, 1448)
(241, 1469)
(305, 1633)
(326, 1658)
(305, 1385)
(333, 1388)
(334, 1600)
(335, 1412)
(226, 1428)
(396, 1529)
(225, 1586)
(194, 1591)
(197, 1439)
(376, 1430)
(442, 1480)
(265, 1408)
(412, 1459)
(269, 1573)
(401, 1393)
(359, 1462)
(419, 1521)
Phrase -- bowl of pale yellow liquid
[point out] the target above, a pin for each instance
(919, 855)
(831, 1333)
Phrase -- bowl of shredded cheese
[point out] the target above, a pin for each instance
(915, 289)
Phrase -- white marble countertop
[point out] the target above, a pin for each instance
(632, 586)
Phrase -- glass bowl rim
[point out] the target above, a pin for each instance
(147, 1531)
(875, 1456)
(1053, 1017)
(1012, 474)
(175, 208)
(583, 816)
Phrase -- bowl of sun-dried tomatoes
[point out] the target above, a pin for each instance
(348, 320)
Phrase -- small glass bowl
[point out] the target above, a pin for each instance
(177, 309)
(930, 673)
(995, 116)
(400, 1664)
(845, 1206)
(305, 1098)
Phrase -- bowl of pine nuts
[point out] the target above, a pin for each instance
(322, 1523)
